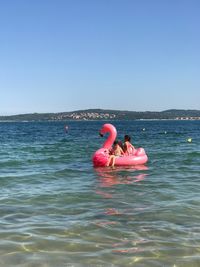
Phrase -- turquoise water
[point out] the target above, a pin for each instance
(57, 210)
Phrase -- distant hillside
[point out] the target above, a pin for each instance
(103, 114)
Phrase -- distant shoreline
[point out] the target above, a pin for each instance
(105, 115)
(150, 120)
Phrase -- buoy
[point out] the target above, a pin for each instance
(189, 140)
(66, 128)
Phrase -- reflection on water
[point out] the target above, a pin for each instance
(118, 212)
(120, 175)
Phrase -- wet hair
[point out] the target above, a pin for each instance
(127, 137)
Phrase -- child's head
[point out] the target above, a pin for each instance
(116, 142)
(127, 138)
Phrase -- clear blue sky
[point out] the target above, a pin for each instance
(65, 55)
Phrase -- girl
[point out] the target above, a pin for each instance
(129, 149)
(116, 151)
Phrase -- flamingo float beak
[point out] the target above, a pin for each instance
(100, 134)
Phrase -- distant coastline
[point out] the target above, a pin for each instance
(103, 114)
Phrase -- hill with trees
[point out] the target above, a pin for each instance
(104, 114)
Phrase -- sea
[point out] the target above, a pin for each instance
(57, 210)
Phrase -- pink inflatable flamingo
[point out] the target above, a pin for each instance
(101, 156)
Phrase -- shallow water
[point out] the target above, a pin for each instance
(57, 210)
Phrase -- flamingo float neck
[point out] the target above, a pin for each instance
(108, 128)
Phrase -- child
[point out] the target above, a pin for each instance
(116, 151)
(129, 149)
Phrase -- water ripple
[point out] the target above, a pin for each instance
(57, 210)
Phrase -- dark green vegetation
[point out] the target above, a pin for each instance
(102, 114)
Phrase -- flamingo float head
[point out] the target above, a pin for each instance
(100, 157)
(108, 128)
